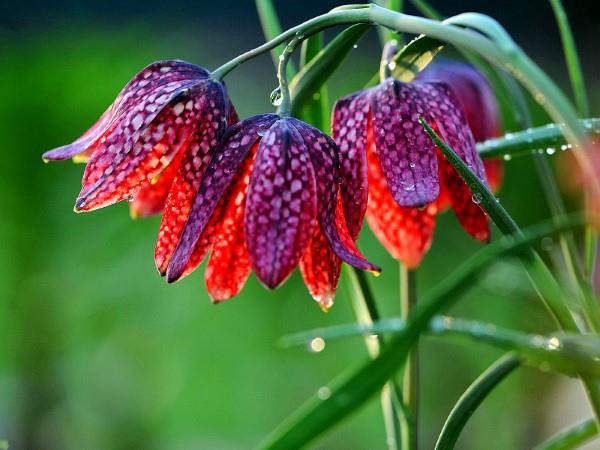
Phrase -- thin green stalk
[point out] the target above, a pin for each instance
(285, 98)
(571, 437)
(472, 398)
(581, 101)
(366, 312)
(410, 389)
(571, 57)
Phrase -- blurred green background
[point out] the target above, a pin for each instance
(97, 352)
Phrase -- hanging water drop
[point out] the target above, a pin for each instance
(276, 96)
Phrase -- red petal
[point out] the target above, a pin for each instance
(320, 266)
(494, 172)
(229, 263)
(405, 232)
(469, 214)
(151, 199)
(185, 186)
(143, 145)
(349, 130)
(281, 205)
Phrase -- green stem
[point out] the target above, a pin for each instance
(366, 312)
(571, 437)
(580, 94)
(304, 30)
(410, 389)
(472, 398)
(571, 57)
(285, 107)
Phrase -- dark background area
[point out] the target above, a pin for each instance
(97, 352)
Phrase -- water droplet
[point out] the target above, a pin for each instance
(412, 164)
(408, 185)
(553, 343)
(392, 65)
(276, 96)
(316, 96)
(476, 197)
(507, 157)
(550, 151)
(316, 345)
(355, 46)
(324, 393)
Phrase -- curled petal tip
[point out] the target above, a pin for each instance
(326, 302)
(134, 214)
(376, 271)
(172, 277)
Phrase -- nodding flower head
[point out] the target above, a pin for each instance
(268, 201)
(394, 173)
(156, 137)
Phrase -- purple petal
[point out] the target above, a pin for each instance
(324, 157)
(474, 93)
(349, 128)
(281, 204)
(158, 79)
(143, 143)
(407, 156)
(445, 110)
(219, 173)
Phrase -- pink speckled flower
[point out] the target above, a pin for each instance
(392, 171)
(285, 212)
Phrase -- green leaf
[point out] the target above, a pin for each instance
(312, 76)
(547, 139)
(316, 112)
(411, 59)
(571, 57)
(352, 390)
(570, 354)
(271, 29)
(471, 399)
(545, 283)
(572, 437)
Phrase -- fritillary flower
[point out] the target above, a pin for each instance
(154, 141)
(268, 202)
(392, 171)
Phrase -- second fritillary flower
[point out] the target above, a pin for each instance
(395, 174)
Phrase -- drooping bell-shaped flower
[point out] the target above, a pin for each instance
(392, 171)
(267, 202)
(154, 140)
